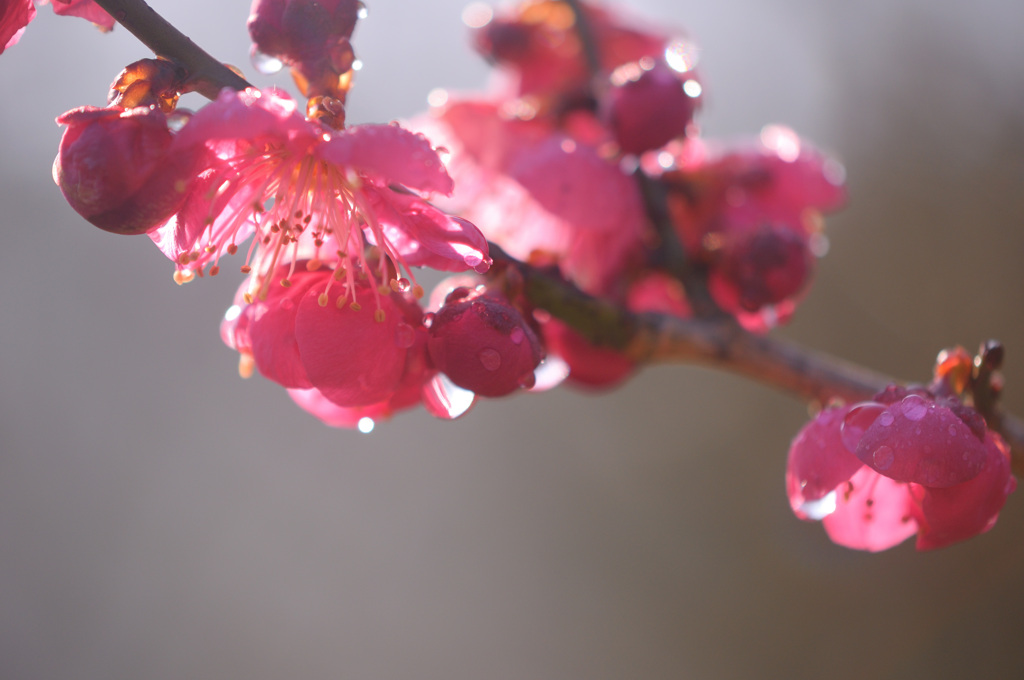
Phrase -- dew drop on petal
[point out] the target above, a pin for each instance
(267, 64)
(517, 335)
(405, 336)
(550, 374)
(885, 419)
(444, 399)
(883, 458)
(914, 407)
(952, 430)
(857, 421)
(821, 508)
(232, 313)
(490, 358)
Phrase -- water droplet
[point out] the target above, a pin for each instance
(446, 400)
(517, 335)
(885, 419)
(883, 458)
(365, 425)
(857, 421)
(551, 372)
(428, 319)
(405, 336)
(914, 407)
(267, 64)
(232, 313)
(472, 261)
(821, 508)
(362, 12)
(490, 358)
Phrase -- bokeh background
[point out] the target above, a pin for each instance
(161, 518)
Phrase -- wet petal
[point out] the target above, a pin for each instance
(872, 513)
(388, 154)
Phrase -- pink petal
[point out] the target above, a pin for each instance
(389, 154)
(350, 357)
(959, 512)
(917, 440)
(818, 462)
(252, 117)
(872, 513)
(425, 236)
(272, 327)
(14, 18)
(86, 9)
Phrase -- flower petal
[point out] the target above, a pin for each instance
(872, 513)
(388, 154)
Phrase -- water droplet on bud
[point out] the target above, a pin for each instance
(405, 336)
(362, 12)
(446, 400)
(266, 64)
(490, 358)
(914, 407)
(857, 421)
(883, 458)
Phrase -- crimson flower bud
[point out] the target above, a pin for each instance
(650, 104)
(483, 344)
(115, 170)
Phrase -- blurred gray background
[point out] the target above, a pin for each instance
(161, 518)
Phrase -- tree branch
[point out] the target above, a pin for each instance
(714, 340)
(206, 75)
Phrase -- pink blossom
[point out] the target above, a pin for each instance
(314, 194)
(878, 472)
(317, 333)
(14, 17)
(541, 195)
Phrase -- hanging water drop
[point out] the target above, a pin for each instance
(267, 64)
(365, 425)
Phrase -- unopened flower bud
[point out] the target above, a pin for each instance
(483, 344)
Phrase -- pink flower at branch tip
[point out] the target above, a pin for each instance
(313, 194)
(907, 462)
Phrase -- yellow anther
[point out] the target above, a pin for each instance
(313, 265)
(379, 316)
(355, 306)
(214, 270)
(323, 299)
(232, 249)
(246, 269)
(248, 298)
(286, 283)
(418, 292)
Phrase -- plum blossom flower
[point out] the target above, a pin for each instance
(907, 462)
(540, 194)
(350, 355)
(313, 194)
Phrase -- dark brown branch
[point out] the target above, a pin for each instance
(206, 75)
(715, 340)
